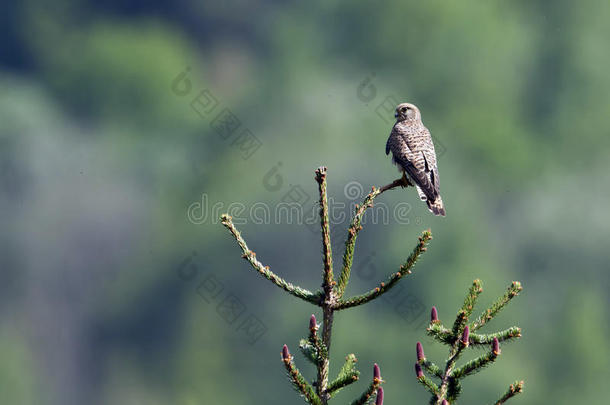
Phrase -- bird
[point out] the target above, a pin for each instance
(413, 152)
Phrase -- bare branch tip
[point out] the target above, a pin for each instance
(320, 173)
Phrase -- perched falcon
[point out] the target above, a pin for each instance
(413, 152)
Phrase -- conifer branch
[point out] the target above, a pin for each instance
(485, 339)
(467, 308)
(425, 381)
(440, 333)
(314, 340)
(454, 354)
(514, 389)
(250, 256)
(355, 227)
(328, 284)
(329, 280)
(372, 388)
(342, 382)
(459, 338)
(401, 182)
(350, 243)
(324, 363)
(471, 299)
(312, 347)
(514, 290)
(316, 346)
(454, 390)
(309, 351)
(392, 280)
(432, 368)
(445, 336)
(428, 365)
(475, 365)
(347, 375)
(299, 383)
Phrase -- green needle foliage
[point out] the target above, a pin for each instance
(460, 337)
(329, 298)
(347, 375)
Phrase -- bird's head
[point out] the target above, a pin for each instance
(407, 112)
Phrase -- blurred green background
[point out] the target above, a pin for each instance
(110, 294)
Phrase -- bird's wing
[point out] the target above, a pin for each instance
(430, 157)
(412, 148)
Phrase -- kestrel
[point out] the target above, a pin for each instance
(413, 153)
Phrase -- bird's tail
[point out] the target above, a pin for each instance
(436, 207)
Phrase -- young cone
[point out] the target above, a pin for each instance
(313, 326)
(495, 347)
(376, 373)
(420, 352)
(433, 315)
(285, 353)
(379, 400)
(418, 371)
(465, 336)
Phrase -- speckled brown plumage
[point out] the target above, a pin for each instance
(413, 152)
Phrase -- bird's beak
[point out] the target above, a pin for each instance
(395, 115)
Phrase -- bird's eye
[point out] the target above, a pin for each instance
(404, 109)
